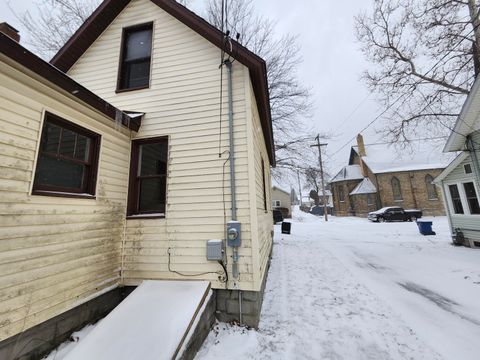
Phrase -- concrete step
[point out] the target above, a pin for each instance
(154, 322)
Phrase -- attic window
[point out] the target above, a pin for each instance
(467, 168)
(135, 58)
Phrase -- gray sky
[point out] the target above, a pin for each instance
(332, 62)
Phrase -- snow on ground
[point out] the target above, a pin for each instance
(351, 289)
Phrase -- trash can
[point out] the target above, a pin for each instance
(286, 226)
(425, 227)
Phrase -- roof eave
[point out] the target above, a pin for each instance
(26, 59)
(110, 9)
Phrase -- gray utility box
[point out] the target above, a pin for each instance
(215, 250)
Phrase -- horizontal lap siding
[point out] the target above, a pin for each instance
(55, 253)
(183, 104)
(470, 225)
(264, 218)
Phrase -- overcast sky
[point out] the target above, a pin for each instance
(332, 63)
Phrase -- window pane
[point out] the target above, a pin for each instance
(153, 159)
(472, 198)
(67, 147)
(51, 137)
(456, 201)
(137, 74)
(59, 173)
(152, 195)
(138, 44)
(82, 148)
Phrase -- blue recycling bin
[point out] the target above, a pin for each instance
(425, 227)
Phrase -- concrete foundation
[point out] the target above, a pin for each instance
(38, 341)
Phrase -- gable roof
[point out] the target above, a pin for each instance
(349, 172)
(421, 155)
(364, 187)
(26, 59)
(453, 165)
(108, 10)
(279, 189)
(467, 122)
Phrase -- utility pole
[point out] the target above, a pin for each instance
(319, 146)
(299, 188)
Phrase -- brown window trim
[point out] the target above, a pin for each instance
(133, 191)
(119, 89)
(88, 192)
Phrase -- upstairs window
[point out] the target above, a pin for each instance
(467, 168)
(148, 177)
(456, 199)
(68, 159)
(431, 189)
(396, 189)
(135, 58)
(472, 198)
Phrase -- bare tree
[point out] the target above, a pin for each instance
(50, 23)
(425, 55)
(289, 98)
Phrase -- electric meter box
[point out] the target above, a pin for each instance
(234, 238)
(215, 250)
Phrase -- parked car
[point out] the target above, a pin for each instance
(394, 213)
(277, 216)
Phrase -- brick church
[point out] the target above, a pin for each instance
(379, 175)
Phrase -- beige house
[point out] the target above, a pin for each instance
(116, 166)
(282, 199)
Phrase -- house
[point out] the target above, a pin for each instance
(117, 167)
(377, 175)
(282, 199)
(460, 181)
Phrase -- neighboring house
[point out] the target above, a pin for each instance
(460, 181)
(95, 199)
(378, 175)
(282, 199)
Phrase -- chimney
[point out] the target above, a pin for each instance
(10, 31)
(361, 153)
(361, 145)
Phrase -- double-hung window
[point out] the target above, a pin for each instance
(136, 56)
(472, 198)
(456, 199)
(148, 177)
(68, 159)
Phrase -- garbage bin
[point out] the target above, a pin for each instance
(425, 227)
(286, 226)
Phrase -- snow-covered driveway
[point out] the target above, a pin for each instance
(350, 289)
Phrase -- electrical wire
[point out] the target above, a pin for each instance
(405, 93)
(221, 276)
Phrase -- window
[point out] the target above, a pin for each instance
(135, 58)
(67, 160)
(431, 189)
(264, 187)
(472, 198)
(341, 194)
(456, 200)
(396, 189)
(370, 199)
(148, 177)
(277, 203)
(467, 168)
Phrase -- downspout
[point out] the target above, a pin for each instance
(228, 64)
